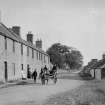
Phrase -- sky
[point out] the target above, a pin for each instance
(75, 23)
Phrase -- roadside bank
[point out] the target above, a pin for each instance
(90, 93)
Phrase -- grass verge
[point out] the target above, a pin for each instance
(91, 93)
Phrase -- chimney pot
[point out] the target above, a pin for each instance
(30, 37)
(16, 30)
(39, 44)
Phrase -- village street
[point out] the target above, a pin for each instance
(28, 93)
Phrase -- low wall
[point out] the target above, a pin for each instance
(98, 74)
(92, 72)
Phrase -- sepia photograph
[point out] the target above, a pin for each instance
(52, 52)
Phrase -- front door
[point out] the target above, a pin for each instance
(28, 71)
(6, 71)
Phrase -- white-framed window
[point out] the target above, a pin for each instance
(5, 38)
(27, 51)
(44, 59)
(41, 57)
(13, 46)
(37, 55)
(32, 53)
(21, 49)
(13, 68)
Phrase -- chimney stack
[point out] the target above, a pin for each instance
(103, 56)
(30, 37)
(16, 30)
(39, 44)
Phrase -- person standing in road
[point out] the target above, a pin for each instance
(34, 75)
(23, 75)
(54, 69)
(45, 69)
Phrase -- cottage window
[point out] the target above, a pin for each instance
(48, 60)
(41, 56)
(13, 46)
(37, 55)
(21, 49)
(5, 43)
(44, 59)
(27, 51)
(13, 66)
(32, 53)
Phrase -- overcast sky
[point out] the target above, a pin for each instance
(76, 23)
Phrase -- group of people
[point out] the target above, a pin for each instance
(47, 74)
(46, 71)
(43, 71)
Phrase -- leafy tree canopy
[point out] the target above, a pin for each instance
(64, 56)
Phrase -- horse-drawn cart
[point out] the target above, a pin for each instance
(47, 76)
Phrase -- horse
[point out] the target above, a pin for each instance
(45, 76)
(42, 77)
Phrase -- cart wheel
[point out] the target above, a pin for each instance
(55, 80)
(43, 82)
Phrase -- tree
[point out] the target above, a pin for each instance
(74, 59)
(63, 55)
(55, 53)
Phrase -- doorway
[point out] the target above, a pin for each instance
(6, 70)
(28, 71)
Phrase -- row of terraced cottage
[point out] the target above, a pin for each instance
(96, 68)
(18, 55)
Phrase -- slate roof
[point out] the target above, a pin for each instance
(10, 34)
(96, 65)
(100, 64)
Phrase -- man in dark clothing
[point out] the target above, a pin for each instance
(54, 67)
(34, 75)
(42, 76)
(53, 70)
(45, 69)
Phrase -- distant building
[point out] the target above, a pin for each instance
(18, 55)
(97, 70)
(39, 44)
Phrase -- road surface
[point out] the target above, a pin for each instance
(31, 93)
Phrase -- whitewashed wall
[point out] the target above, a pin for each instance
(2, 58)
(15, 58)
(92, 73)
(98, 74)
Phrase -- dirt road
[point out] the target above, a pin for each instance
(30, 93)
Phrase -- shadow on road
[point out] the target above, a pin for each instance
(27, 83)
(73, 76)
(67, 75)
(30, 83)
